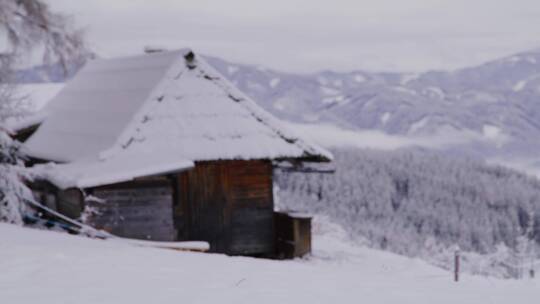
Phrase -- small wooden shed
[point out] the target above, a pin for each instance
(161, 146)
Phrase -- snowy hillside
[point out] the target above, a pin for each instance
(49, 267)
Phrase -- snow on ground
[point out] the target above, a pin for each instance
(339, 99)
(279, 106)
(408, 78)
(385, 117)
(519, 85)
(434, 92)
(50, 267)
(491, 132)
(359, 78)
(232, 69)
(494, 134)
(322, 80)
(274, 82)
(404, 90)
(417, 125)
(329, 91)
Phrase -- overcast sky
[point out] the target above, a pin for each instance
(309, 35)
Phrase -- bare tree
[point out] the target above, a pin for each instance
(28, 26)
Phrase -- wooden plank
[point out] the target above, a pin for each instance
(70, 202)
(252, 231)
(195, 246)
(142, 210)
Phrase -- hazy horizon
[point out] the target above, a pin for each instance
(307, 36)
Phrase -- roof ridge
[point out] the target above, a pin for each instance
(181, 51)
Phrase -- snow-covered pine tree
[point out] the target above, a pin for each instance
(397, 200)
(13, 190)
(26, 26)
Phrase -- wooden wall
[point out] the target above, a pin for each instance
(140, 209)
(226, 203)
(69, 202)
(229, 204)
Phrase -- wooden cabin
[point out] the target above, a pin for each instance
(161, 146)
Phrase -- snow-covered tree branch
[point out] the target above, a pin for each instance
(27, 27)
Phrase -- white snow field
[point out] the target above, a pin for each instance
(49, 267)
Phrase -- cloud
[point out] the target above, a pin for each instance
(330, 136)
(308, 35)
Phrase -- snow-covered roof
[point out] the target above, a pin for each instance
(95, 106)
(121, 167)
(161, 104)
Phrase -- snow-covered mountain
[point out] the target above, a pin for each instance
(493, 107)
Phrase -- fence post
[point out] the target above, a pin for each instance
(456, 265)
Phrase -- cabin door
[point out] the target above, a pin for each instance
(228, 204)
(203, 206)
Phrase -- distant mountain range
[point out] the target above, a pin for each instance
(492, 110)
